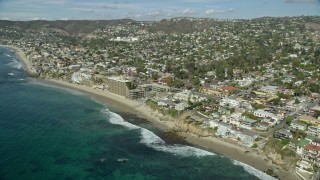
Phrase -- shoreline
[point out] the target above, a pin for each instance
(213, 144)
(23, 59)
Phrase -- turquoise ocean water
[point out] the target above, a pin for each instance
(54, 133)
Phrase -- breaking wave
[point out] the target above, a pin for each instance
(155, 142)
(253, 171)
(15, 64)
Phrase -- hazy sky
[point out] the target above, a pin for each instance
(153, 10)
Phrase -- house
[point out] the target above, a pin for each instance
(246, 137)
(271, 122)
(230, 102)
(298, 125)
(314, 130)
(155, 87)
(223, 130)
(311, 151)
(282, 134)
(304, 166)
(264, 114)
(316, 142)
(211, 91)
(263, 126)
(248, 123)
(188, 96)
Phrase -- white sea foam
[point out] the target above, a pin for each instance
(10, 74)
(15, 64)
(117, 119)
(253, 171)
(149, 138)
(155, 142)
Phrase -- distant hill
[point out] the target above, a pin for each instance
(182, 25)
(168, 26)
(69, 27)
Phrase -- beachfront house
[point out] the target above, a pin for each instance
(213, 123)
(223, 130)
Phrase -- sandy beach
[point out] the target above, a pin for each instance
(213, 144)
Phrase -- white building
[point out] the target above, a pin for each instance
(264, 114)
(213, 123)
(78, 77)
(298, 125)
(188, 96)
(223, 130)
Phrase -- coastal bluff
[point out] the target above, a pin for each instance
(187, 123)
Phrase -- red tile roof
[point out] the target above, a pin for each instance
(229, 88)
(312, 147)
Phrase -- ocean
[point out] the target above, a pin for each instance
(48, 132)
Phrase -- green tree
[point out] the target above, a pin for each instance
(289, 119)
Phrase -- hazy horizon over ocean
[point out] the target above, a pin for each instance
(51, 133)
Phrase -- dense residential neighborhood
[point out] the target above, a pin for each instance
(253, 82)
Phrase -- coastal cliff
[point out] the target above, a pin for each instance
(186, 123)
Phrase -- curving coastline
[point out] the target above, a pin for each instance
(216, 145)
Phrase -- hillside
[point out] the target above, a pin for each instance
(70, 27)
